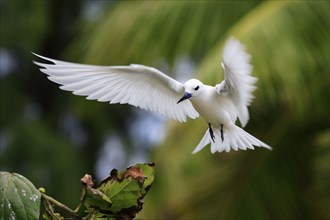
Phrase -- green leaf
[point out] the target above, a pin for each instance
(96, 199)
(127, 189)
(124, 193)
(19, 199)
(120, 194)
(96, 215)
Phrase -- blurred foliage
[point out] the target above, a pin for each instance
(33, 140)
(289, 44)
(158, 30)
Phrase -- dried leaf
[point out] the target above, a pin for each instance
(87, 180)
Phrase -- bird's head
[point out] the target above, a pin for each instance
(192, 88)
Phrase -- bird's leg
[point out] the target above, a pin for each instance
(221, 130)
(211, 133)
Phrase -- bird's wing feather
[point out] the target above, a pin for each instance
(137, 85)
(238, 83)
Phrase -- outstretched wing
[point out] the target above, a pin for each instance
(137, 85)
(238, 83)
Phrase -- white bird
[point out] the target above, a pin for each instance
(150, 89)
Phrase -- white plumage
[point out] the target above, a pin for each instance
(150, 89)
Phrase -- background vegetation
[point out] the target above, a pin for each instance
(53, 138)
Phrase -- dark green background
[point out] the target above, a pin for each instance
(289, 44)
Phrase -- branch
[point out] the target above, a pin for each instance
(59, 204)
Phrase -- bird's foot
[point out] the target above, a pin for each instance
(211, 133)
(221, 130)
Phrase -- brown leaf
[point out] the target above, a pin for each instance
(136, 173)
(87, 180)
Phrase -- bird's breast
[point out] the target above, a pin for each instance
(214, 108)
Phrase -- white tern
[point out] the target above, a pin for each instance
(150, 89)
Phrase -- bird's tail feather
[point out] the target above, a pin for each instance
(233, 137)
(205, 141)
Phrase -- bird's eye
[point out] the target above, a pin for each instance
(197, 87)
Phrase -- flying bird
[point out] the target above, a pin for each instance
(150, 89)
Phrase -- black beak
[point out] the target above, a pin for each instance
(186, 95)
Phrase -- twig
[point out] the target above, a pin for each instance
(59, 204)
